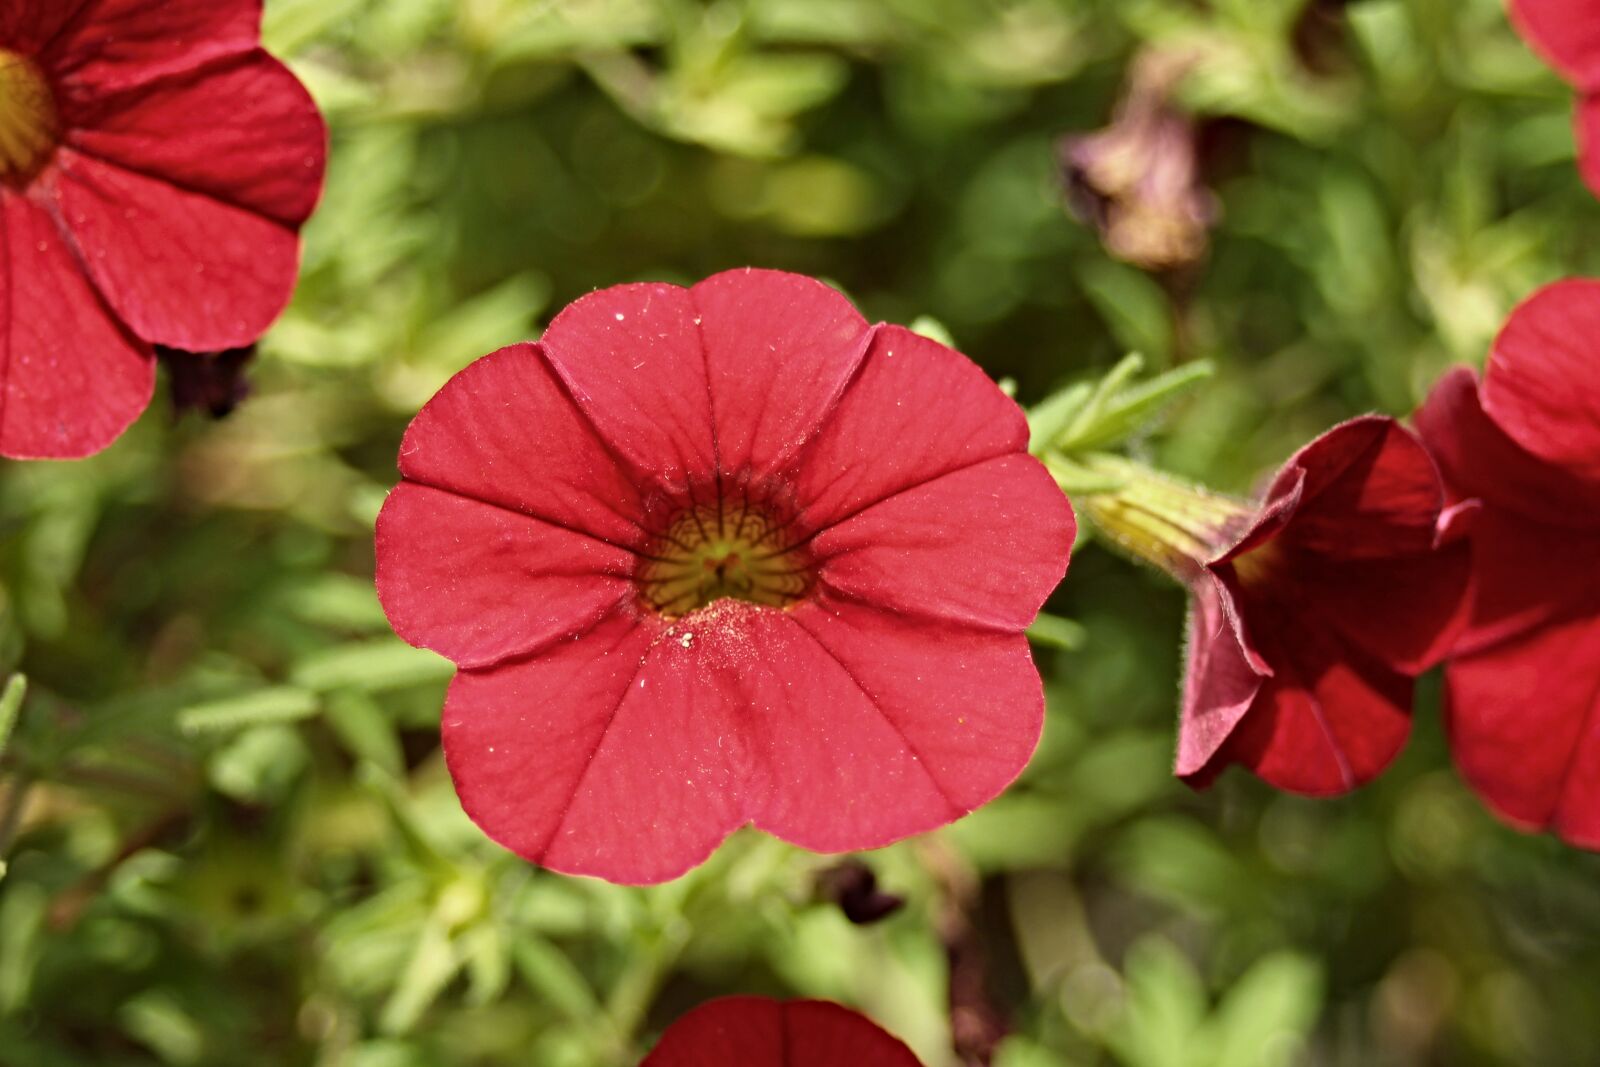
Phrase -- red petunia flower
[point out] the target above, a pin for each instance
(718, 556)
(1523, 684)
(758, 1032)
(155, 168)
(1312, 612)
(1567, 34)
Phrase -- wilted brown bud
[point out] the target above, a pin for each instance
(853, 886)
(1138, 180)
(213, 382)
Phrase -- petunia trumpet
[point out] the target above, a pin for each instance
(717, 556)
(155, 168)
(1311, 611)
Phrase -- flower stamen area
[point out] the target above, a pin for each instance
(28, 124)
(736, 549)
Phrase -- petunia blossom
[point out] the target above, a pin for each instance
(1311, 612)
(717, 556)
(759, 1032)
(155, 168)
(1567, 34)
(1523, 684)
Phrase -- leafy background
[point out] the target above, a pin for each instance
(231, 839)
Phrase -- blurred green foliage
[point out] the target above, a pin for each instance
(230, 836)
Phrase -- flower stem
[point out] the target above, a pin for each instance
(1173, 525)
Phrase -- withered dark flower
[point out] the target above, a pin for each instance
(853, 886)
(1137, 181)
(213, 382)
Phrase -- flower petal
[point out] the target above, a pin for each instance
(1524, 723)
(616, 754)
(112, 44)
(28, 26)
(1542, 386)
(965, 707)
(1566, 33)
(504, 431)
(1220, 682)
(479, 583)
(758, 1032)
(984, 545)
(1330, 719)
(779, 351)
(1368, 490)
(1587, 121)
(1407, 611)
(180, 268)
(916, 411)
(1479, 460)
(1526, 575)
(631, 358)
(74, 379)
(246, 134)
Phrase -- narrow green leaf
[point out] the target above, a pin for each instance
(11, 707)
(371, 666)
(274, 704)
(1056, 632)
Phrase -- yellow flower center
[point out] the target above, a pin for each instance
(733, 549)
(28, 126)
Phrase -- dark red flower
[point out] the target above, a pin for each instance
(1567, 34)
(718, 556)
(1523, 684)
(758, 1032)
(1311, 612)
(155, 168)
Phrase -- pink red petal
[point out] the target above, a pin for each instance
(779, 350)
(615, 754)
(1368, 490)
(479, 583)
(246, 133)
(73, 378)
(968, 704)
(1479, 460)
(757, 1032)
(1407, 611)
(1566, 33)
(29, 25)
(1543, 383)
(917, 411)
(631, 358)
(180, 268)
(504, 431)
(1527, 575)
(984, 545)
(1221, 681)
(1330, 719)
(1524, 720)
(1587, 120)
(112, 44)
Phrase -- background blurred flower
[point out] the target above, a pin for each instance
(757, 1032)
(1567, 34)
(723, 555)
(1523, 685)
(1137, 181)
(155, 168)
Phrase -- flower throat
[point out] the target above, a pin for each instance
(734, 549)
(28, 125)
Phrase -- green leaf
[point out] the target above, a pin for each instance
(11, 707)
(275, 704)
(1056, 632)
(371, 666)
